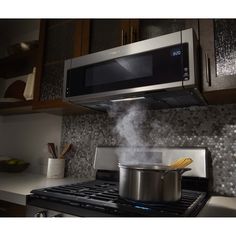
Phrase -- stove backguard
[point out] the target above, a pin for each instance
(199, 178)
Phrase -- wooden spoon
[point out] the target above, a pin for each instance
(66, 149)
(52, 149)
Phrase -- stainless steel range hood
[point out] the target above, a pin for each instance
(158, 73)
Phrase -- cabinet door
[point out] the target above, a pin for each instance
(108, 33)
(149, 28)
(61, 40)
(8, 209)
(218, 43)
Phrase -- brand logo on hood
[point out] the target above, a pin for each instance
(176, 52)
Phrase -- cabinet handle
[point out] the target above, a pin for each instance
(133, 35)
(208, 74)
(122, 37)
(125, 38)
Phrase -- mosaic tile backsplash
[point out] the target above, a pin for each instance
(51, 85)
(213, 127)
(225, 46)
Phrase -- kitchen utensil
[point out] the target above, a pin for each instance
(52, 149)
(181, 163)
(65, 150)
(150, 183)
(29, 87)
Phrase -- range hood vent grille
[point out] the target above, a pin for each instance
(155, 101)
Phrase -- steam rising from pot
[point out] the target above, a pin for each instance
(128, 126)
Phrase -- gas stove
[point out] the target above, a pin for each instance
(101, 196)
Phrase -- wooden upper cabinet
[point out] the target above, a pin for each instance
(218, 44)
(109, 33)
(81, 38)
(19, 55)
(149, 28)
(59, 40)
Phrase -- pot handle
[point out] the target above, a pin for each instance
(180, 170)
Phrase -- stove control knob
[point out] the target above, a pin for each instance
(41, 214)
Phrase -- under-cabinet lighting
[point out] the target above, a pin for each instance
(128, 99)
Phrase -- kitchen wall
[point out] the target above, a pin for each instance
(213, 127)
(25, 137)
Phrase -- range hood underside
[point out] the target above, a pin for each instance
(152, 101)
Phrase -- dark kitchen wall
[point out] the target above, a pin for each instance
(213, 127)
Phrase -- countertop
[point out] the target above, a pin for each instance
(15, 187)
(219, 206)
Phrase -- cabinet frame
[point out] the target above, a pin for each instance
(58, 106)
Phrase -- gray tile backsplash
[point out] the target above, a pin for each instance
(213, 127)
(52, 80)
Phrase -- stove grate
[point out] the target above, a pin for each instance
(105, 196)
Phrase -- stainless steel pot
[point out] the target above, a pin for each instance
(150, 183)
